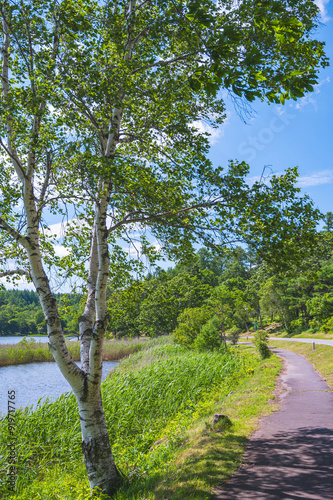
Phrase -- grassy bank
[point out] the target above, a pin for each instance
(321, 358)
(159, 405)
(27, 351)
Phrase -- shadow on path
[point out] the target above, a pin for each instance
(292, 465)
(291, 455)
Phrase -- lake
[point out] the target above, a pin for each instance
(16, 339)
(35, 380)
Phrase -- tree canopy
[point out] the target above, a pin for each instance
(104, 97)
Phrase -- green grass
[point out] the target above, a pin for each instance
(28, 351)
(208, 458)
(158, 405)
(283, 334)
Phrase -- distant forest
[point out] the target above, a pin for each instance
(21, 313)
(235, 286)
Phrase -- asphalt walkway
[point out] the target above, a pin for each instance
(291, 455)
(306, 341)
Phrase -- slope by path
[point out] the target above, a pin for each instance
(291, 455)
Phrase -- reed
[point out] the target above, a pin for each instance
(29, 351)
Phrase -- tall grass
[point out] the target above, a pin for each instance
(29, 351)
(142, 406)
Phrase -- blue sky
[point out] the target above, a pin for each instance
(300, 133)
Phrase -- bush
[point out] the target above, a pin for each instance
(260, 341)
(209, 336)
(327, 325)
(298, 326)
(233, 334)
(189, 323)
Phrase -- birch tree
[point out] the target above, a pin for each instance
(101, 109)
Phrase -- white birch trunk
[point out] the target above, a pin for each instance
(85, 382)
(86, 321)
(96, 448)
(100, 465)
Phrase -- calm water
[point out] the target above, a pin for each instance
(33, 381)
(16, 340)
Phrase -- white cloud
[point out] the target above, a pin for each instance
(58, 229)
(60, 251)
(308, 98)
(214, 133)
(321, 4)
(316, 179)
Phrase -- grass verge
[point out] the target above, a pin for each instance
(283, 334)
(159, 406)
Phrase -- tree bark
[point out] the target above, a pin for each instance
(86, 321)
(96, 448)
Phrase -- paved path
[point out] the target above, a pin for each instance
(306, 341)
(291, 455)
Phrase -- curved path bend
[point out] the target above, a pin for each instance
(291, 455)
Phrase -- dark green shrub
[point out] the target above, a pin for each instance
(189, 323)
(209, 336)
(260, 341)
(233, 334)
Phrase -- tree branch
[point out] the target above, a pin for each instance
(46, 181)
(10, 230)
(11, 272)
(165, 63)
(11, 150)
(151, 217)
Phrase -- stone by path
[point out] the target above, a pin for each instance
(291, 455)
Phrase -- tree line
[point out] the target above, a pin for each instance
(237, 287)
(21, 313)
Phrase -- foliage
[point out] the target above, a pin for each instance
(124, 309)
(301, 300)
(129, 125)
(260, 341)
(189, 323)
(230, 303)
(21, 313)
(166, 299)
(233, 334)
(209, 337)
